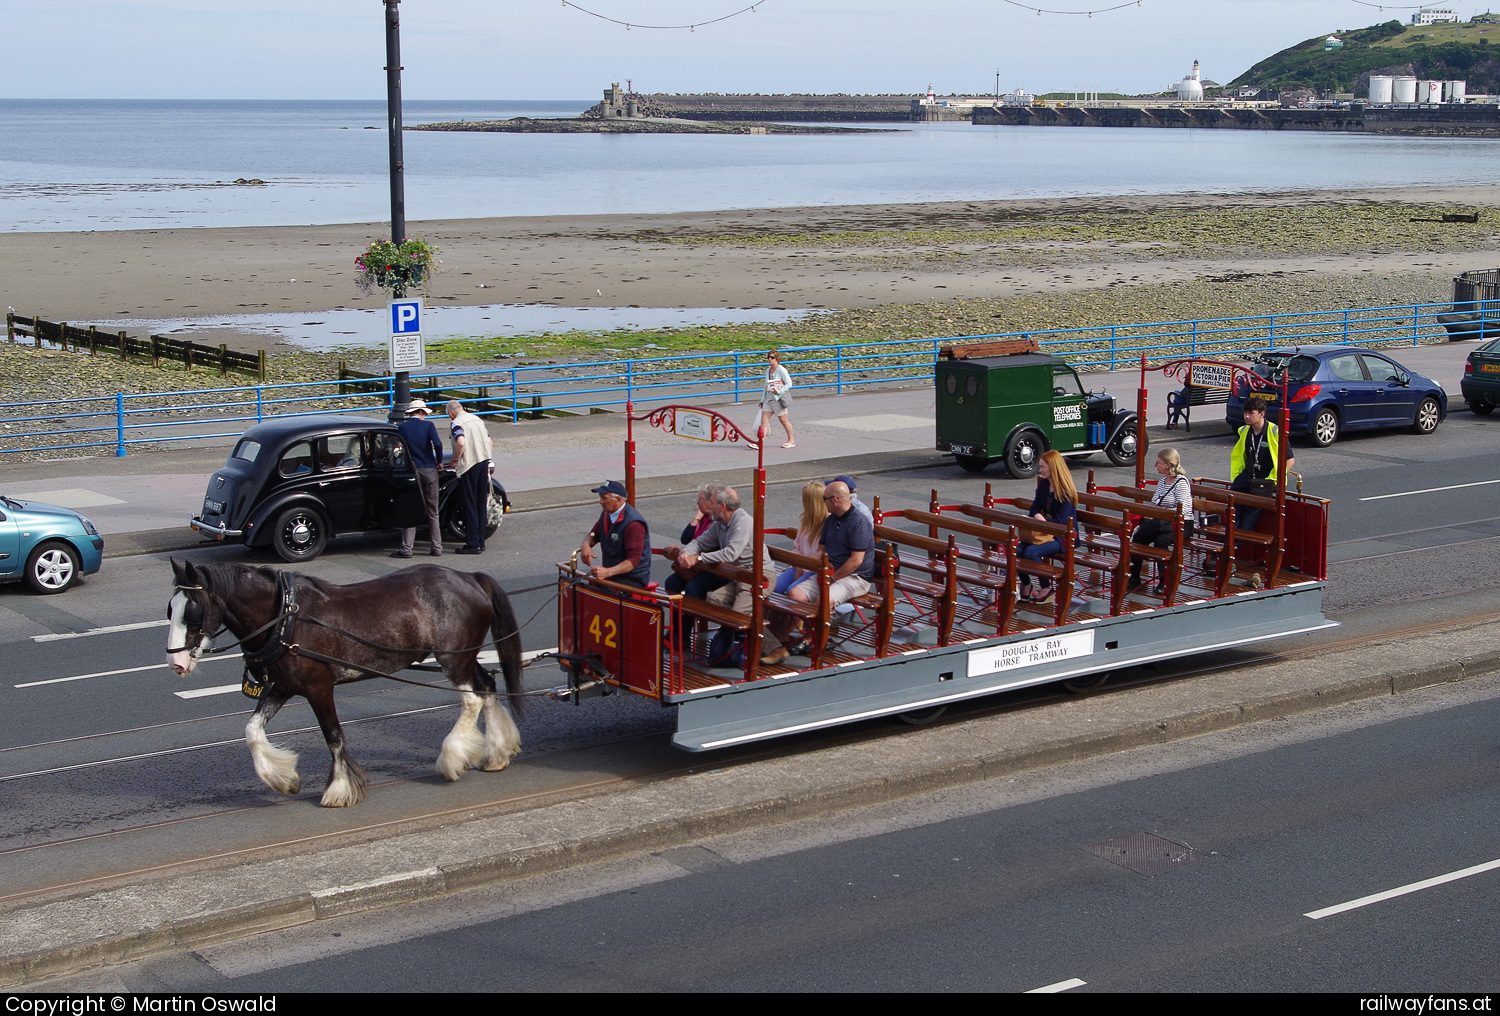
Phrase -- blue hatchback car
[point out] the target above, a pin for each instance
(1331, 389)
(47, 545)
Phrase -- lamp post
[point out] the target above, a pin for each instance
(402, 394)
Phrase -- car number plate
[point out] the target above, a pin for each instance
(1489, 368)
(212, 507)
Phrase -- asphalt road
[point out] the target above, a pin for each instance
(97, 735)
(1208, 864)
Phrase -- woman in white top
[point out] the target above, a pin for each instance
(1173, 490)
(777, 398)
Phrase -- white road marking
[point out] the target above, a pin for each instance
(1052, 989)
(101, 631)
(1426, 883)
(1430, 490)
(127, 670)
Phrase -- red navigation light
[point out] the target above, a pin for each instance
(1306, 393)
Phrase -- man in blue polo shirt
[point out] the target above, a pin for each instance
(426, 451)
(849, 541)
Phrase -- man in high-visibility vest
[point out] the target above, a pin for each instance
(1255, 462)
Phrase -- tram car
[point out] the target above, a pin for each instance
(945, 620)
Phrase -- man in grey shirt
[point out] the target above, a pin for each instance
(730, 540)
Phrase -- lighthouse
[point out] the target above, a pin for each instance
(1190, 88)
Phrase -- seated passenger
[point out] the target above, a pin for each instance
(623, 537)
(1056, 501)
(730, 540)
(848, 538)
(703, 517)
(1173, 490)
(809, 534)
(859, 505)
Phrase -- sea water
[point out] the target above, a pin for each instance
(131, 164)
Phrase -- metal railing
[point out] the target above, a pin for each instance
(511, 394)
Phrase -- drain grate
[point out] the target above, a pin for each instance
(1145, 853)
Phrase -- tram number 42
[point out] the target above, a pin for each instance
(605, 632)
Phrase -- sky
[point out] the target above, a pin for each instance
(545, 49)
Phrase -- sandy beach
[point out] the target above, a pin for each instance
(861, 258)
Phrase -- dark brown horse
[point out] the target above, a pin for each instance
(302, 636)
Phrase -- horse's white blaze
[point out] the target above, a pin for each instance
(276, 767)
(181, 662)
(502, 741)
(463, 746)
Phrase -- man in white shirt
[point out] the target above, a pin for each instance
(471, 460)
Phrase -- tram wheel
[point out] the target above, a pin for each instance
(922, 717)
(1087, 683)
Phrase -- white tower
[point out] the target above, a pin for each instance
(1190, 88)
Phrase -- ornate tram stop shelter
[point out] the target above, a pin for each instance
(944, 621)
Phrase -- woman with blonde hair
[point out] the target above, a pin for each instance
(1056, 501)
(809, 533)
(1173, 490)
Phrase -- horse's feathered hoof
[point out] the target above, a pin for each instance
(495, 767)
(345, 788)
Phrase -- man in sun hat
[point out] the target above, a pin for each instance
(425, 449)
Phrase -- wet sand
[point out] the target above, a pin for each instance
(632, 260)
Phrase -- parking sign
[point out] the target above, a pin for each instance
(408, 351)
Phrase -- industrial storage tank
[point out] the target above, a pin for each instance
(1405, 88)
(1429, 91)
(1456, 91)
(1381, 87)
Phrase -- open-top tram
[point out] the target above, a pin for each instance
(945, 619)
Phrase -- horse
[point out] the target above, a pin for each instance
(302, 636)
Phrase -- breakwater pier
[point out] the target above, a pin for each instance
(1444, 118)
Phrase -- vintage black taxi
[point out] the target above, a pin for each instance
(293, 483)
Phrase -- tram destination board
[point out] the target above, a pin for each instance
(615, 629)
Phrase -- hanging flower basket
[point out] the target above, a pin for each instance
(395, 268)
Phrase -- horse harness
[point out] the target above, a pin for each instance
(279, 642)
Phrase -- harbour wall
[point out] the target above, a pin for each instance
(1482, 120)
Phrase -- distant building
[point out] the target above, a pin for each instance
(1434, 16)
(618, 104)
(1248, 92)
(1331, 43)
(1190, 88)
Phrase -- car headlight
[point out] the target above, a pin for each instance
(88, 527)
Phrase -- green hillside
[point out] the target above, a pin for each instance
(1464, 51)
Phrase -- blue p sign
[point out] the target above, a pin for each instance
(406, 317)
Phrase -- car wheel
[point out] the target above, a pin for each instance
(1481, 408)
(1428, 415)
(1122, 450)
(300, 534)
(452, 520)
(1023, 453)
(52, 567)
(1325, 427)
(971, 463)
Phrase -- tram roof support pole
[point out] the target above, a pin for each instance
(629, 452)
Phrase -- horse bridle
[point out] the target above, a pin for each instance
(194, 620)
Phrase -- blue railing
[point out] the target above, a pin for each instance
(513, 393)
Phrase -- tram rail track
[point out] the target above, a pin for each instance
(977, 709)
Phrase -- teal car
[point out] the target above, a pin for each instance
(48, 546)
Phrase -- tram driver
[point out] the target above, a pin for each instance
(623, 537)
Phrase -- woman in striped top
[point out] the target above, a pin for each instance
(1173, 490)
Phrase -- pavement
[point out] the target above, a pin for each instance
(141, 502)
(113, 910)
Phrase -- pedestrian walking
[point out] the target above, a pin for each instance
(776, 400)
